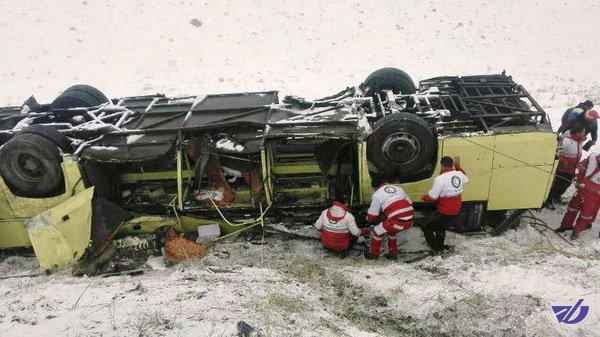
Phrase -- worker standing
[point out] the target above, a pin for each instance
(584, 115)
(586, 200)
(397, 216)
(446, 194)
(569, 155)
(338, 228)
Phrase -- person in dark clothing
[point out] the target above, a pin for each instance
(569, 155)
(584, 115)
(446, 195)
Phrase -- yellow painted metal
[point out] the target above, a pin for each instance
(530, 148)
(13, 234)
(14, 210)
(499, 169)
(61, 234)
(163, 175)
(264, 164)
(518, 187)
(477, 160)
(5, 210)
(522, 171)
(551, 179)
(179, 180)
(301, 168)
(148, 223)
(364, 179)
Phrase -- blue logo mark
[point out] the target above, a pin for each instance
(565, 313)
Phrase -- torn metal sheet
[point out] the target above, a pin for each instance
(60, 235)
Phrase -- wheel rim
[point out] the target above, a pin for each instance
(401, 148)
(30, 167)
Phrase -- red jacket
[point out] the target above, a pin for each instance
(337, 226)
(393, 201)
(570, 153)
(588, 177)
(447, 190)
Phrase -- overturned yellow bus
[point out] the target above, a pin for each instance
(235, 159)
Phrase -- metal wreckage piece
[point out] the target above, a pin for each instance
(84, 171)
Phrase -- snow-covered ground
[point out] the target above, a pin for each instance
(490, 286)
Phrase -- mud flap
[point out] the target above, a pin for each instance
(60, 235)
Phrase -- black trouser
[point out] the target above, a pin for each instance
(435, 230)
(561, 183)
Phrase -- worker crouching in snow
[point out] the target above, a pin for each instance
(569, 156)
(338, 228)
(586, 200)
(398, 216)
(446, 194)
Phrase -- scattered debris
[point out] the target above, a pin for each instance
(196, 22)
(246, 330)
(177, 248)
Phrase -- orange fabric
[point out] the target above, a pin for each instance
(193, 151)
(254, 179)
(216, 180)
(178, 249)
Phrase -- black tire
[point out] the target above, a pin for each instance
(78, 96)
(61, 141)
(469, 219)
(388, 79)
(31, 165)
(401, 144)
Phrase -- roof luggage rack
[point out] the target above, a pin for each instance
(491, 100)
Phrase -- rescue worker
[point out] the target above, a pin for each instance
(338, 228)
(584, 115)
(569, 155)
(397, 216)
(586, 200)
(446, 195)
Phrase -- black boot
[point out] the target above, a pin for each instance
(448, 248)
(370, 256)
(391, 257)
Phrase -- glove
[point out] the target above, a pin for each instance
(588, 145)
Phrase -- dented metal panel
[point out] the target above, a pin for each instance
(61, 234)
(14, 210)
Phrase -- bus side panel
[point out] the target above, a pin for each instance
(476, 156)
(522, 170)
(518, 187)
